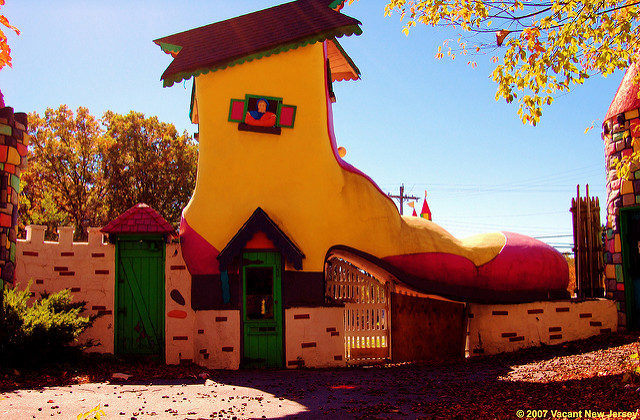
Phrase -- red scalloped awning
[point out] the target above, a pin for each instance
(626, 98)
(139, 219)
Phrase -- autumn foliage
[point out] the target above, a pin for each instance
(546, 46)
(5, 51)
(83, 171)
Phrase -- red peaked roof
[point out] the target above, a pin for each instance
(253, 35)
(626, 98)
(139, 219)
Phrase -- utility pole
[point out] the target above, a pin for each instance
(402, 197)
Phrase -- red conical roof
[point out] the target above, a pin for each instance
(626, 98)
(138, 219)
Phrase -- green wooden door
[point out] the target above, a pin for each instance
(631, 259)
(139, 323)
(262, 309)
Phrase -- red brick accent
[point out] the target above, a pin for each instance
(555, 329)
(102, 271)
(506, 335)
(30, 253)
(178, 267)
(176, 313)
(98, 308)
(586, 315)
(564, 309)
(67, 254)
(334, 333)
(200, 331)
(331, 329)
(307, 345)
(60, 268)
(595, 323)
(500, 313)
(337, 357)
(295, 363)
(302, 316)
(512, 339)
(605, 331)
(97, 254)
(221, 319)
(74, 289)
(67, 273)
(202, 351)
(180, 338)
(227, 349)
(555, 336)
(39, 281)
(107, 312)
(535, 311)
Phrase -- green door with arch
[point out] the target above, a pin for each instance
(139, 320)
(262, 309)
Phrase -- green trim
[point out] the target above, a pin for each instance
(630, 307)
(346, 56)
(336, 3)
(231, 109)
(335, 33)
(293, 119)
(169, 48)
(193, 99)
(270, 98)
(117, 348)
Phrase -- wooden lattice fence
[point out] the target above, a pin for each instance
(587, 245)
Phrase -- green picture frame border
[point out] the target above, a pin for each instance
(231, 102)
(270, 98)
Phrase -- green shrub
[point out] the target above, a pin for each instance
(40, 331)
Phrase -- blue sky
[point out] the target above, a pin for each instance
(429, 124)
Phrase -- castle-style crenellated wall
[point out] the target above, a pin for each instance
(13, 151)
(86, 268)
(621, 137)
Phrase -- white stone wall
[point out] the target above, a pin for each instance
(314, 337)
(87, 268)
(496, 329)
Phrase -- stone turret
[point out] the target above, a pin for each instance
(621, 135)
(13, 151)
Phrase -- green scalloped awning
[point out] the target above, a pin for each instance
(336, 3)
(169, 48)
(335, 33)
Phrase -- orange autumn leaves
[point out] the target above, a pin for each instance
(5, 51)
(541, 48)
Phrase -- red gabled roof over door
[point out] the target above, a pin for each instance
(139, 219)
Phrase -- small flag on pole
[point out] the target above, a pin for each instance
(425, 213)
(412, 204)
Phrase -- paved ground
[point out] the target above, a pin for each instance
(566, 381)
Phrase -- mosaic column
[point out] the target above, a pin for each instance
(621, 137)
(13, 151)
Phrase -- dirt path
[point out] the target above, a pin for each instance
(566, 381)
